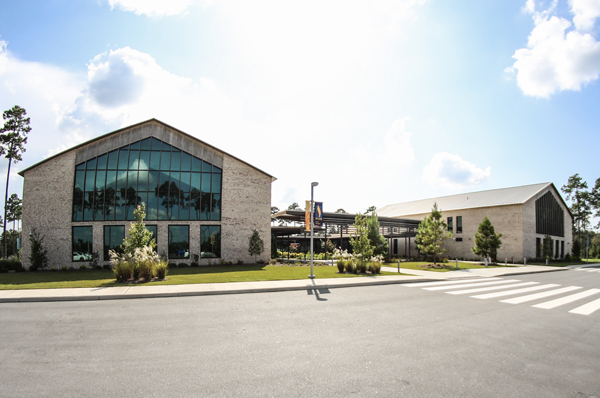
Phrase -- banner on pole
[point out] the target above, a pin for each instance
(307, 217)
(318, 213)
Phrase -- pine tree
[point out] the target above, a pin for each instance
(13, 137)
(487, 242)
(432, 233)
(255, 244)
(379, 243)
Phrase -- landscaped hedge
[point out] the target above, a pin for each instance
(10, 265)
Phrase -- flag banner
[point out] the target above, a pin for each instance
(318, 213)
(307, 216)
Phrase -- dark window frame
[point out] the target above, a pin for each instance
(459, 225)
(90, 252)
(104, 246)
(169, 243)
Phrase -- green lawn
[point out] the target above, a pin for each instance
(176, 276)
(449, 266)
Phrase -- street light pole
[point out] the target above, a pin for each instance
(312, 223)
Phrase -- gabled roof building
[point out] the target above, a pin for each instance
(524, 215)
(201, 202)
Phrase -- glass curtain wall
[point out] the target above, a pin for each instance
(174, 185)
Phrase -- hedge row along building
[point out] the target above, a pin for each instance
(524, 215)
(199, 199)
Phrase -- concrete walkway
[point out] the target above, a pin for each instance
(130, 292)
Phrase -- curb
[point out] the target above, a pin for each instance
(265, 289)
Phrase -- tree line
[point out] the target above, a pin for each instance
(585, 204)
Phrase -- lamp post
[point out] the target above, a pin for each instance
(312, 223)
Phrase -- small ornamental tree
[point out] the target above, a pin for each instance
(487, 241)
(255, 244)
(361, 245)
(139, 235)
(379, 243)
(38, 258)
(547, 249)
(431, 234)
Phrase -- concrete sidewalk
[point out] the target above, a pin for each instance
(131, 292)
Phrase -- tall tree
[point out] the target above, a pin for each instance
(370, 210)
(487, 241)
(13, 137)
(595, 200)
(431, 234)
(15, 209)
(576, 191)
(379, 243)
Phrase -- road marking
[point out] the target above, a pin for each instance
(517, 291)
(531, 297)
(421, 284)
(471, 284)
(588, 308)
(567, 299)
(484, 289)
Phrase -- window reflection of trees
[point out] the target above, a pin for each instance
(173, 184)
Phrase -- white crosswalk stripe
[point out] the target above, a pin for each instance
(588, 308)
(567, 299)
(531, 297)
(485, 289)
(470, 285)
(498, 287)
(513, 292)
(423, 284)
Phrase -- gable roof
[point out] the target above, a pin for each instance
(153, 120)
(493, 197)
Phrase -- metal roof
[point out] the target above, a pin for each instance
(494, 197)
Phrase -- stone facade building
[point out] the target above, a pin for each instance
(524, 215)
(200, 201)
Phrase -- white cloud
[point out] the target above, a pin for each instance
(152, 8)
(558, 58)
(585, 13)
(398, 150)
(452, 171)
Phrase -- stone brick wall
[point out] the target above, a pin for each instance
(47, 206)
(246, 206)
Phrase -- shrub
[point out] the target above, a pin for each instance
(196, 258)
(64, 268)
(194, 263)
(361, 268)
(375, 268)
(123, 270)
(182, 265)
(240, 262)
(39, 254)
(162, 268)
(10, 264)
(106, 266)
(94, 261)
(341, 264)
(82, 266)
(350, 267)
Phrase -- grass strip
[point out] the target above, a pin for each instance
(176, 276)
(449, 266)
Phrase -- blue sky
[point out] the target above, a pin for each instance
(380, 102)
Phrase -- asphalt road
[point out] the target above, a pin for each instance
(393, 340)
